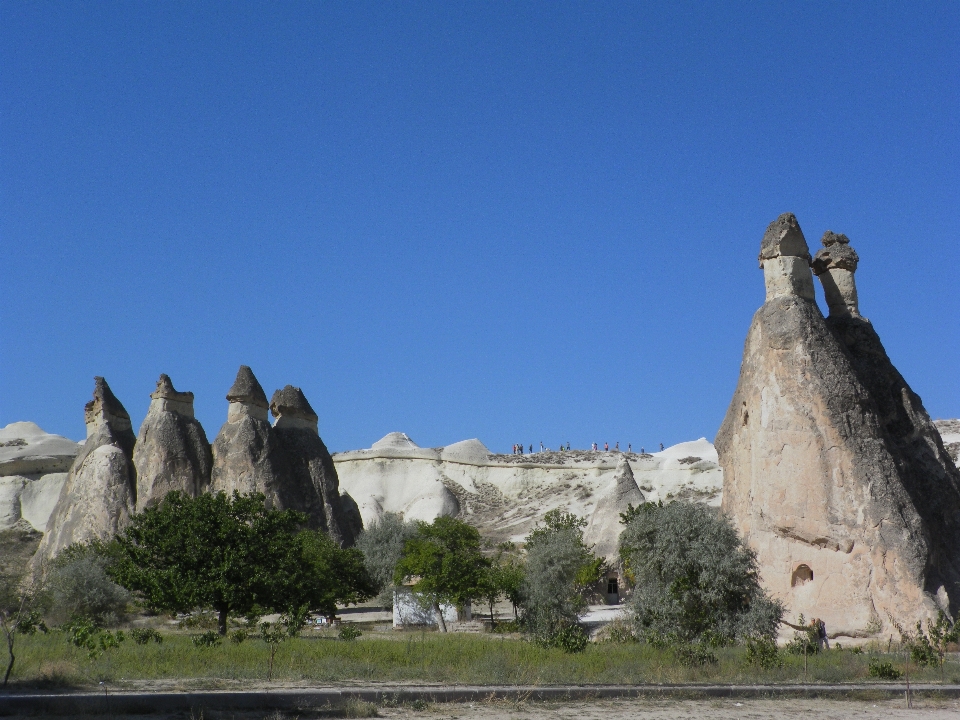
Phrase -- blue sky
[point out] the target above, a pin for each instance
(512, 221)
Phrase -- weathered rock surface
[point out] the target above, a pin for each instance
(25, 449)
(950, 434)
(506, 495)
(604, 529)
(100, 491)
(172, 452)
(247, 456)
(813, 477)
(313, 486)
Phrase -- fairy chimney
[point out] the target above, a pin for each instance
(812, 475)
(172, 451)
(99, 494)
(314, 483)
(247, 456)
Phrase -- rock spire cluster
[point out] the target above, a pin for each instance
(833, 471)
(116, 473)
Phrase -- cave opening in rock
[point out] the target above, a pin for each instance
(802, 575)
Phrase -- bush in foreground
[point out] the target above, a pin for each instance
(696, 581)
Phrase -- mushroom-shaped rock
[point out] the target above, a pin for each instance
(785, 259)
(99, 494)
(313, 486)
(172, 451)
(811, 476)
(604, 526)
(835, 263)
(247, 456)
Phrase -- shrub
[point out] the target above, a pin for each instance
(763, 653)
(569, 638)
(238, 636)
(80, 587)
(883, 670)
(141, 636)
(210, 638)
(560, 568)
(349, 632)
(695, 578)
(86, 634)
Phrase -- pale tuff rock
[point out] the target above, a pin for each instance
(814, 480)
(247, 456)
(604, 529)
(505, 496)
(99, 494)
(785, 259)
(172, 451)
(835, 265)
(33, 468)
(313, 486)
(25, 449)
(950, 434)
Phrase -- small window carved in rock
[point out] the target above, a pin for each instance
(746, 415)
(612, 586)
(802, 575)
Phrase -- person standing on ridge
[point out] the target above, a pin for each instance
(661, 447)
(606, 447)
(617, 446)
(629, 448)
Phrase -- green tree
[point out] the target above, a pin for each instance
(382, 545)
(79, 586)
(445, 559)
(695, 579)
(234, 555)
(560, 569)
(504, 579)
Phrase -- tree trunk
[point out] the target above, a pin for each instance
(440, 620)
(491, 616)
(222, 620)
(10, 664)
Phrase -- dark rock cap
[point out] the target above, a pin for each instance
(166, 390)
(291, 401)
(835, 253)
(246, 389)
(784, 237)
(104, 402)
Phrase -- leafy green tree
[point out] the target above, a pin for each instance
(696, 581)
(504, 579)
(445, 559)
(234, 555)
(560, 569)
(329, 576)
(382, 545)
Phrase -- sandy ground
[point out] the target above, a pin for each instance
(627, 709)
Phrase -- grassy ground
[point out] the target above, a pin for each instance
(49, 661)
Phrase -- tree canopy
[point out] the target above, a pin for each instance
(444, 560)
(382, 545)
(695, 579)
(234, 555)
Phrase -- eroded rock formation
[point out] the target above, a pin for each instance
(100, 491)
(830, 463)
(604, 529)
(247, 456)
(172, 452)
(313, 486)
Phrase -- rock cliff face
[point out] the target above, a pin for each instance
(33, 469)
(505, 496)
(826, 455)
(313, 486)
(172, 452)
(100, 491)
(247, 455)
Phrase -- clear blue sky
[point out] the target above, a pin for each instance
(512, 221)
